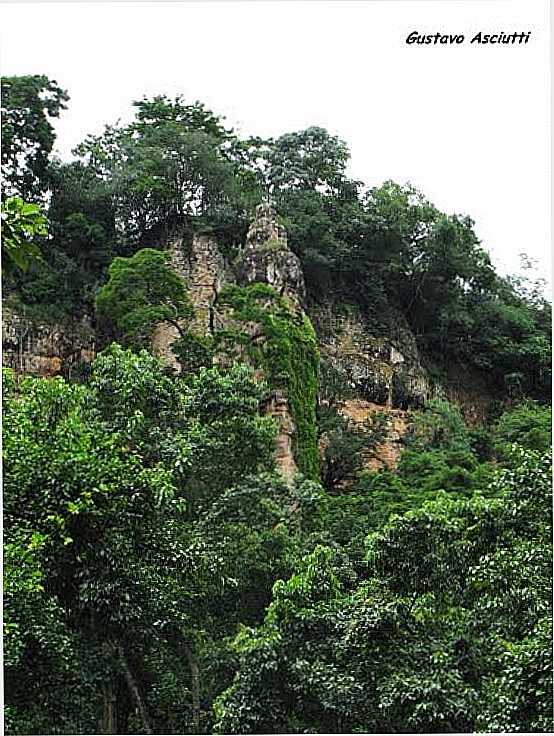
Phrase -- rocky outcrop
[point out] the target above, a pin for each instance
(205, 271)
(278, 407)
(268, 259)
(203, 268)
(386, 454)
(45, 349)
(384, 370)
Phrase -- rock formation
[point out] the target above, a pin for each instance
(386, 370)
(268, 259)
(46, 349)
(202, 267)
(382, 372)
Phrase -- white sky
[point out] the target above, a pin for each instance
(467, 125)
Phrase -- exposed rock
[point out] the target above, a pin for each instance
(202, 267)
(387, 453)
(43, 349)
(384, 370)
(268, 259)
(279, 409)
(265, 232)
(205, 271)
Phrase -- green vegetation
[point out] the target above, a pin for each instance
(28, 105)
(286, 348)
(143, 291)
(387, 250)
(427, 638)
(106, 490)
(21, 224)
(160, 574)
(344, 443)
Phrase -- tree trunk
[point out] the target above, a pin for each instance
(134, 690)
(108, 723)
(195, 687)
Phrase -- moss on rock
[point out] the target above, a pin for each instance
(287, 354)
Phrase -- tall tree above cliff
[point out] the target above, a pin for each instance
(28, 105)
(21, 223)
(166, 168)
(307, 159)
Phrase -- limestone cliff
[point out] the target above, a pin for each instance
(382, 372)
(387, 453)
(268, 259)
(385, 370)
(203, 268)
(46, 349)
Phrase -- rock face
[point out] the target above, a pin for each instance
(268, 259)
(387, 453)
(47, 350)
(384, 370)
(203, 268)
(205, 272)
(382, 373)
(265, 232)
(278, 408)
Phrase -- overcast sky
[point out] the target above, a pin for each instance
(466, 124)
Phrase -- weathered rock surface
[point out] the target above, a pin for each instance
(384, 370)
(471, 390)
(203, 268)
(267, 258)
(43, 349)
(265, 232)
(278, 408)
(383, 373)
(387, 453)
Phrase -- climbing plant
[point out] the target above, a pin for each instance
(283, 344)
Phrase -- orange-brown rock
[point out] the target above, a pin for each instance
(387, 453)
(45, 349)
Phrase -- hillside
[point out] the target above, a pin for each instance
(276, 444)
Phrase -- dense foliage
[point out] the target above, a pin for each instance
(388, 249)
(144, 529)
(160, 574)
(143, 291)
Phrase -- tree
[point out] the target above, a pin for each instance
(28, 105)
(345, 443)
(143, 291)
(168, 168)
(528, 425)
(420, 640)
(310, 159)
(112, 548)
(21, 224)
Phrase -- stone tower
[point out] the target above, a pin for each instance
(267, 258)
